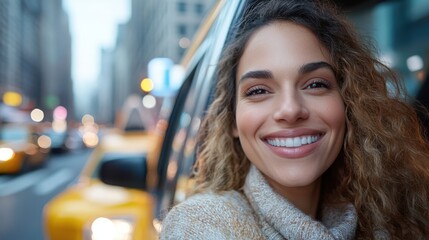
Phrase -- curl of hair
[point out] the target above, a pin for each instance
(383, 167)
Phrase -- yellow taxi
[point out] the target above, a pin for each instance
(22, 148)
(92, 209)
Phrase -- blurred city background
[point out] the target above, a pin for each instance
(73, 70)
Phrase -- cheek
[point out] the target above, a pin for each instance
(247, 119)
(335, 117)
(338, 116)
(332, 111)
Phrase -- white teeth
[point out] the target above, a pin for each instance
(293, 142)
(296, 142)
(289, 142)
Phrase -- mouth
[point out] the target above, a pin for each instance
(294, 142)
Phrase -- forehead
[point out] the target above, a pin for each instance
(283, 42)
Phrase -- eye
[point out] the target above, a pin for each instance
(318, 83)
(255, 91)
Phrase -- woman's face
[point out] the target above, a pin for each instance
(290, 117)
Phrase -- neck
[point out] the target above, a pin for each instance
(304, 198)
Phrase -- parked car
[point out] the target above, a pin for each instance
(23, 147)
(91, 209)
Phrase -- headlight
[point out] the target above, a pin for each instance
(6, 154)
(157, 224)
(103, 228)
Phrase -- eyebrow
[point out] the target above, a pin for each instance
(304, 69)
(313, 66)
(257, 74)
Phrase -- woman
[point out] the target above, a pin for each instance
(304, 140)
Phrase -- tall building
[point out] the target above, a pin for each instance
(157, 28)
(55, 57)
(105, 101)
(163, 29)
(10, 46)
(35, 53)
(122, 66)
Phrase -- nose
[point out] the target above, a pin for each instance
(290, 108)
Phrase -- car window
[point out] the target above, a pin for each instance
(14, 134)
(178, 163)
(173, 122)
(138, 158)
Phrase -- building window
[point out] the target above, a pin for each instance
(181, 7)
(199, 8)
(182, 30)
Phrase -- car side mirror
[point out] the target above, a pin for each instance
(129, 172)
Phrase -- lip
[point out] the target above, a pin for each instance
(294, 152)
(290, 133)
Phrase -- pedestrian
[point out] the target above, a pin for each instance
(304, 140)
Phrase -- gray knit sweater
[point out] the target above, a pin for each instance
(258, 213)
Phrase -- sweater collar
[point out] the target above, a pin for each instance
(281, 219)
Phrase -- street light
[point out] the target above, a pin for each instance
(146, 85)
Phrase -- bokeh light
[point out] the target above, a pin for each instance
(149, 101)
(184, 42)
(146, 85)
(12, 99)
(44, 141)
(6, 154)
(60, 113)
(90, 139)
(87, 119)
(37, 115)
(59, 125)
(415, 63)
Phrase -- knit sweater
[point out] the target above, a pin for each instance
(256, 213)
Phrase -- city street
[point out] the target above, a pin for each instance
(22, 197)
(323, 110)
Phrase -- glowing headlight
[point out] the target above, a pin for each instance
(157, 224)
(6, 154)
(110, 229)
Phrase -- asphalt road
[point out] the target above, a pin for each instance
(23, 197)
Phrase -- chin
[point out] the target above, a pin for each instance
(297, 181)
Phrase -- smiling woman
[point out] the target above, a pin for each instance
(303, 139)
(297, 100)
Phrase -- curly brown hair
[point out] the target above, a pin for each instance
(383, 166)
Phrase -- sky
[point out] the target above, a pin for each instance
(93, 26)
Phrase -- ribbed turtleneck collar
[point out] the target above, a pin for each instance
(280, 219)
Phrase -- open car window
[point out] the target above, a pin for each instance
(178, 152)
